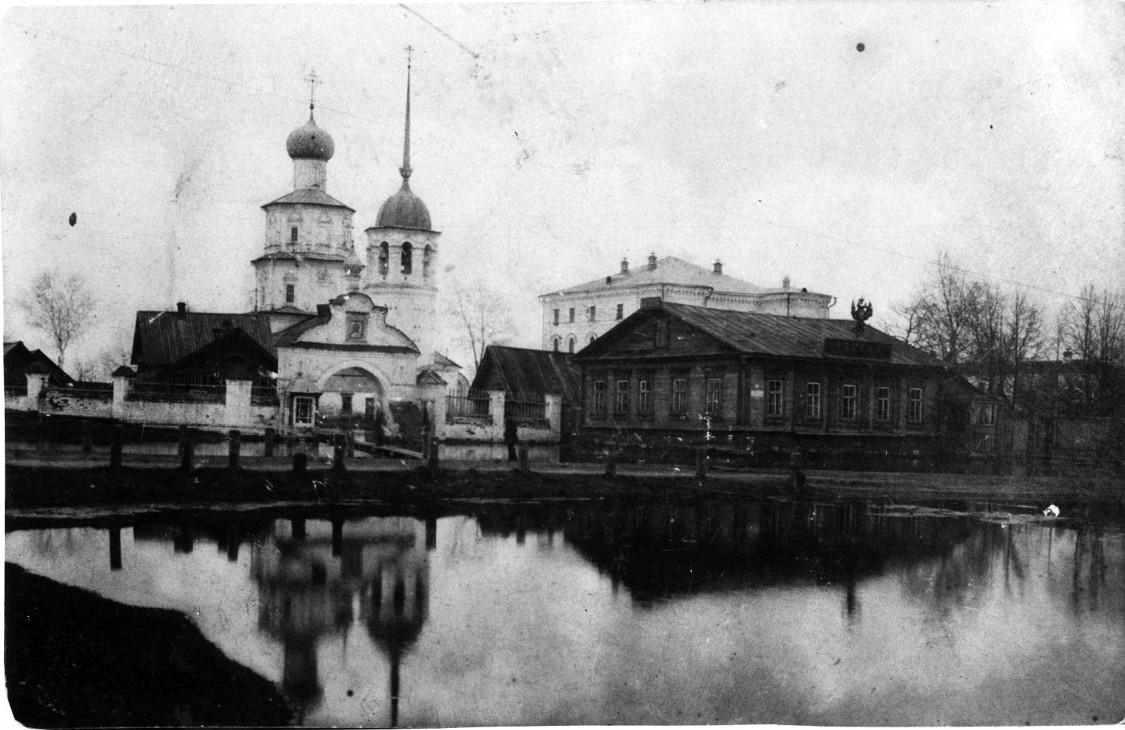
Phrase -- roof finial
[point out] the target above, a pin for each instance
(313, 80)
(405, 170)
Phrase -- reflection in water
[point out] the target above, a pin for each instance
(816, 613)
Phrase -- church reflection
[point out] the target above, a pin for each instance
(319, 577)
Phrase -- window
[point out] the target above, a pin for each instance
(644, 397)
(427, 252)
(987, 443)
(384, 257)
(407, 258)
(570, 344)
(591, 340)
(556, 316)
(882, 403)
(774, 398)
(593, 313)
(848, 401)
(620, 311)
(915, 400)
(571, 314)
(290, 293)
(599, 397)
(987, 414)
(293, 234)
(557, 342)
(714, 399)
(621, 398)
(303, 410)
(812, 400)
(346, 404)
(661, 333)
(679, 396)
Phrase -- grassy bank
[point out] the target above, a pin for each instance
(74, 659)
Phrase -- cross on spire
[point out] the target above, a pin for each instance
(313, 80)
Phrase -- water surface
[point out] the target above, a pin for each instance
(724, 612)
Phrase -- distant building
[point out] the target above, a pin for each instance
(527, 376)
(574, 317)
(19, 361)
(674, 376)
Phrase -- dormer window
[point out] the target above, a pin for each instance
(407, 257)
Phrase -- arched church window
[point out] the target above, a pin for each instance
(591, 340)
(426, 253)
(293, 235)
(384, 257)
(570, 345)
(557, 342)
(407, 257)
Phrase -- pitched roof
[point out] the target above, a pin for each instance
(163, 338)
(443, 361)
(772, 335)
(669, 270)
(309, 196)
(523, 370)
(18, 361)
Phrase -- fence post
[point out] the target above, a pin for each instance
(432, 457)
(701, 462)
(611, 466)
(40, 432)
(522, 449)
(235, 449)
(338, 454)
(350, 441)
(115, 447)
(187, 451)
(115, 548)
(268, 442)
(87, 437)
(796, 474)
(300, 463)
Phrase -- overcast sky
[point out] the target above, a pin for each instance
(551, 140)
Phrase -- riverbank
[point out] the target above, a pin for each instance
(39, 486)
(75, 659)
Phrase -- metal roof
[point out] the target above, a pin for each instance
(523, 370)
(751, 333)
(309, 196)
(669, 270)
(163, 338)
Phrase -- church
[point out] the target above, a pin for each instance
(335, 337)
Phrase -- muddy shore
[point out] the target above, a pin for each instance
(75, 659)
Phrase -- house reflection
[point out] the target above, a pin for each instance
(663, 550)
(316, 578)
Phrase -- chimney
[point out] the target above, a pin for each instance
(718, 266)
(624, 266)
(181, 308)
(785, 283)
(652, 262)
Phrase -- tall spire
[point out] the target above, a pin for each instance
(405, 170)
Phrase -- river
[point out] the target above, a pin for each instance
(702, 613)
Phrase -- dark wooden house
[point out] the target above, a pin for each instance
(19, 361)
(526, 376)
(673, 377)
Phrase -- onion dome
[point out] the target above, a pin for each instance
(310, 142)
(404, 209)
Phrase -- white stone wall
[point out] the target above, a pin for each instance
(319, 228)
(792, 303)
(410, 298)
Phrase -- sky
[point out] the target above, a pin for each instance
(551, 140)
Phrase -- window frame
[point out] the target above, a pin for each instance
(713, 396)
(882, 403)
(914, 413)
(814, 401)
(620, 312)
(600, 392)
(621, 398)
(346, 404)
(644, 395)
(290, 293)
(299, 402)
(849, 402)
(775, 398)
(678, 406)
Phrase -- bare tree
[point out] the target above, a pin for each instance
(113, 357)
(1024, 336)
(481, 316)
(61, 307)
(941, 314)
(1092, 327)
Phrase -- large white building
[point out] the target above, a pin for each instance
(576, 316)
